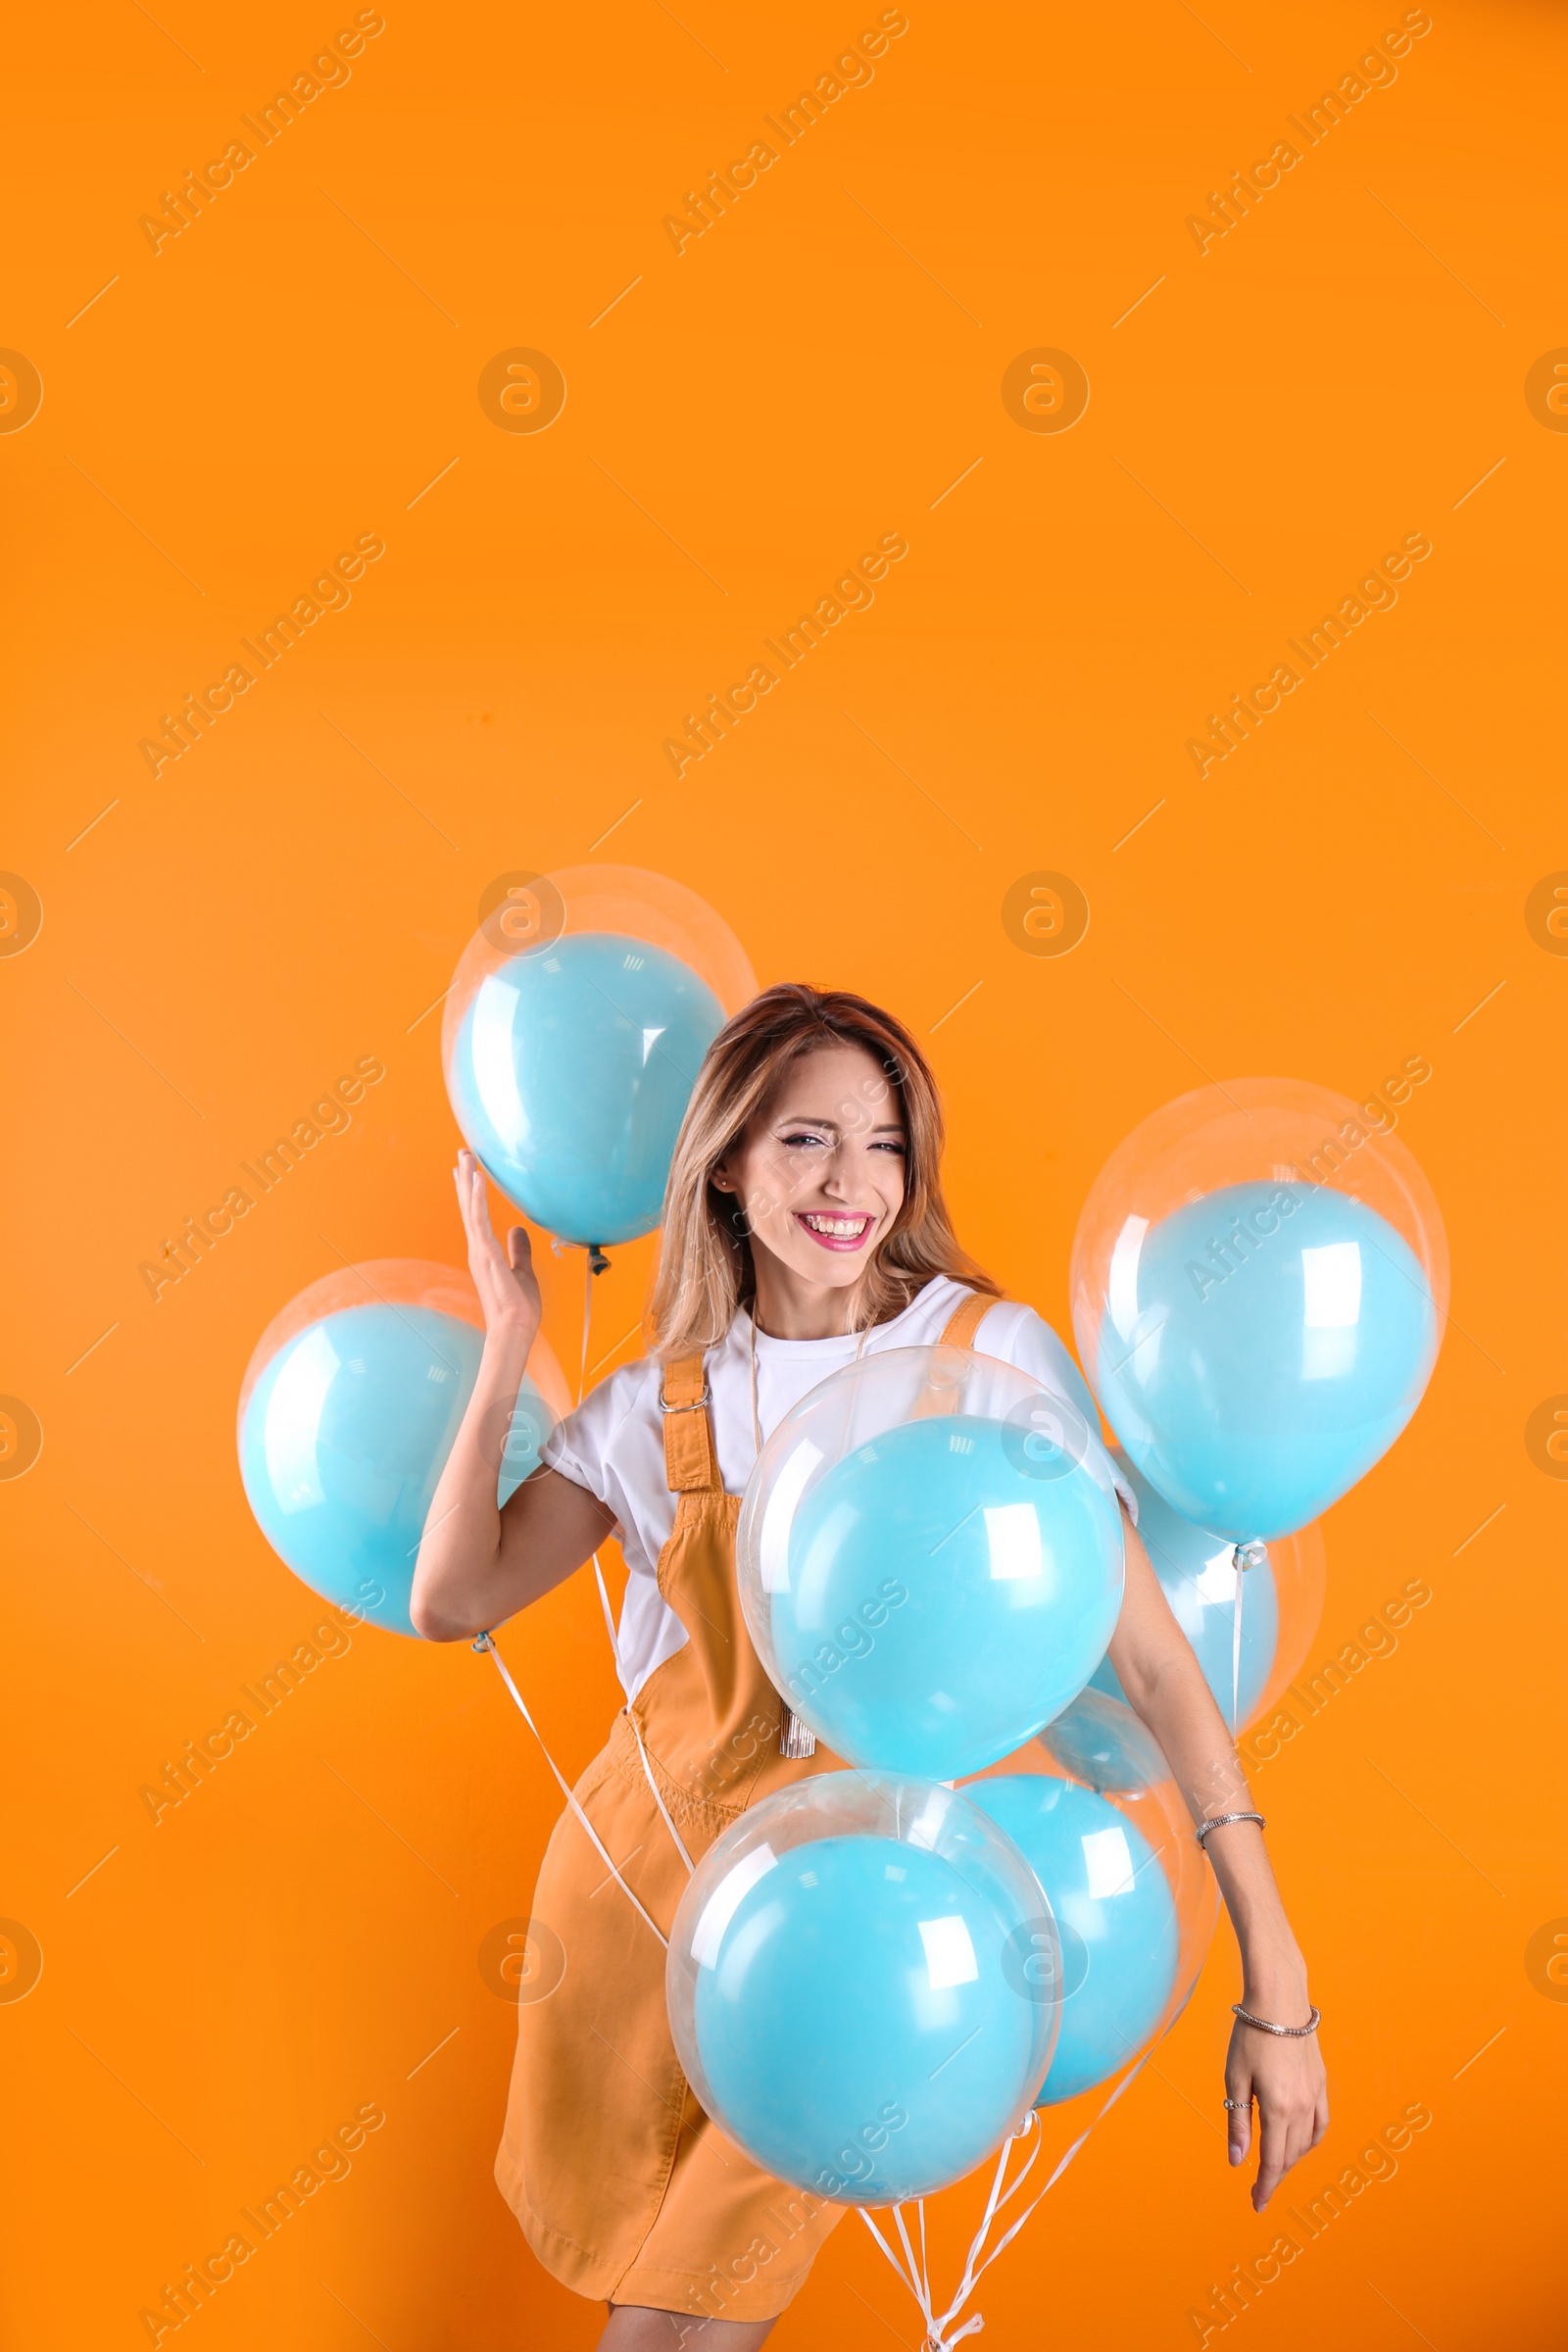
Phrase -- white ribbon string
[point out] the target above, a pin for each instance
(1009, 2195)
(935, 2340)
(587, 1319)
(916, 2267)
(912, 2284)
(609, 1622)
(485, 1642)
(631, 1718)
(940, 2331)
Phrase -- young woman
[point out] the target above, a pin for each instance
(804, 1224)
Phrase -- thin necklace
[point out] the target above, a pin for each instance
(756, 1418)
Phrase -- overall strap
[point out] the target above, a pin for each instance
(690, 1465)
(966, 1319)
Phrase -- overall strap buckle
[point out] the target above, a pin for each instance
(684, 1397)
(698, 1404)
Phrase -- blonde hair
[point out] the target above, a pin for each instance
(706, 1269)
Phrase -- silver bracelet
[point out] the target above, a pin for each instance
(1291, 2032)
(1220, 1819)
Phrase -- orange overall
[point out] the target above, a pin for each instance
(625, 2190)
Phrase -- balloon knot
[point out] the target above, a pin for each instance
(597, 1259)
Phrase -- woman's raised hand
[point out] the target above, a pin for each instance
(507, 1287)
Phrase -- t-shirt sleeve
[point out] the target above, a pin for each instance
(1020, 1337)
(581, 1447)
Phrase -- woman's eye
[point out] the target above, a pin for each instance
(796, 1142)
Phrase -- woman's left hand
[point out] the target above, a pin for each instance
(1287, 2080)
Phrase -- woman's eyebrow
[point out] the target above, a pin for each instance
(806, 1118)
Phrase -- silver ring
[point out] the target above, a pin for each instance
(1243, 2106)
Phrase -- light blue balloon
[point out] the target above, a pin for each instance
(1197, 1576)
(570, 1074)
(1114, 1913)
(861, 2024)
(345, 1436)
(947, 1596)
(1265, 1347)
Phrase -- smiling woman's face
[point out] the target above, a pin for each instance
(819, 1172)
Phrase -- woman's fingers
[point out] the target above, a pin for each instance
(1239, 2086)
(1273, 2157)
(485, 1261)
(1287, 2130)
(471, 1200)
(503, 1271)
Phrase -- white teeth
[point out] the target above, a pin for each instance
(839, 1229)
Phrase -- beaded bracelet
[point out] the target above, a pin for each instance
(1291, 2032)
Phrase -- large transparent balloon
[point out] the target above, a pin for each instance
(572, 1035)
(862, 1983)
(348, 1410)
(1092, 1807)
(930, 1560)
(1260, 1282)
(1248, 1611)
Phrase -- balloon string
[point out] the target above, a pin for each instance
(631, 1718)
(972, 2265)
(1236, 1649)
(587, 1319)
(916, 2269)
(912, 2284)
(971, 2278)
(609, 1622)
(614, 1638)
(485, 1642)
(940, 2332)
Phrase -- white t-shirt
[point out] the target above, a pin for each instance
(613, 1443)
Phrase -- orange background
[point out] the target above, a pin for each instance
(291, 895)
